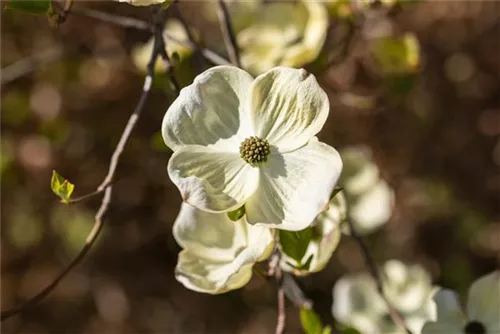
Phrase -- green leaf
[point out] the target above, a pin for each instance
(311, 323)
(295, 243)
(307, 264)
(347, 330)
(61, 187)
(236, 214)
(29, 6)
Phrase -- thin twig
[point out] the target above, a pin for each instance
(294, 293)
(91, 238)
(85, 197)
(105, 186)
(128, 22)
(393, 313)
(198, 54)
(228, 34)
(123, 21)
(281, 319)
(29, 64)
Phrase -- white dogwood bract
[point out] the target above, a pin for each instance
(218, 254)
(144, 2)
(326, 237)
(225, 108)
(357, 303)
(482, 315)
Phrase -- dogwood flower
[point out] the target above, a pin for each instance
(482, 315)
(144, 2)
(324, 238)
(218, 253)
(239, 141)
(370, 198)
(280, 34)
(357, 303)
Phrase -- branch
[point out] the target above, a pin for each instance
(105, 186)
(128, 22)
(281, 320)
(393, 313)
(123, 21)
(228, 34)
(198, 52)
(29, 64)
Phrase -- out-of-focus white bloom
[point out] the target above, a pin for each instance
(279, 33)
(482, 315)
(145, 2)
(239, 141)
(357, 303)
(142, 54)
(218, 253)
(370, 199)
(326, 234)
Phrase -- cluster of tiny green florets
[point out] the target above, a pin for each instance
(254, 150)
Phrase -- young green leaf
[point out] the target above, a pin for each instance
(61, 187)
(29, 6)
(311, 323)
(295, 243)
(236, 214)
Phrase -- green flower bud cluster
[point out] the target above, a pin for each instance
(254, 150)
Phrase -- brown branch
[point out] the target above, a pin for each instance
(123, 21)
(105, 186)
(372, 267)
(228, 34)
(29, 64)
(128, 22)
(281, 319)
(198, 50)
(85, 197)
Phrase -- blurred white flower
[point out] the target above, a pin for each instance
(239, 141)
(370, 199)
(279, 33)
(142, 54)
(325, 237)
(218, 253)
(482, 315)
(357, 303)
(145, 2)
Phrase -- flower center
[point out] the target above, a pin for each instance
(474, 327)
(254, 150)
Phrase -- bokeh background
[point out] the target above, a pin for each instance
(435, 136)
